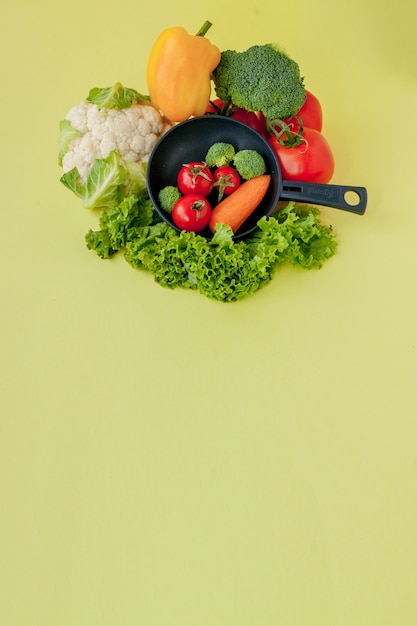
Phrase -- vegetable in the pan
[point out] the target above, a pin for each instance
(195, 177)
(236, 208)
(191, 212)
(249, 163)
(219, 153)
(226, 181)
(168, 196)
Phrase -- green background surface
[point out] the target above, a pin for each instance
(166, 460)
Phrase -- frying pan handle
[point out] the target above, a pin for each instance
(334, 196)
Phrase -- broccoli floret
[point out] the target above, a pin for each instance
(219, 154)
(249, 163)
(262, 78)
(168, 196)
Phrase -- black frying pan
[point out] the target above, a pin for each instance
(190, 140)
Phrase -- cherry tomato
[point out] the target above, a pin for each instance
(195, 177)
(191, 212)
(311, 114)
(312, 161)
(226, 181)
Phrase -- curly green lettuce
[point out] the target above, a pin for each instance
(120, 224)
(220, 269)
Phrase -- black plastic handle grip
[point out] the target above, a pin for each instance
(335, 196)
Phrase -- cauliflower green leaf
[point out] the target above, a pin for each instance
(103, 188)
(66, 134)
(135, 183)
(116, 97)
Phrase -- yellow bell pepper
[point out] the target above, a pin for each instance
(178, 72)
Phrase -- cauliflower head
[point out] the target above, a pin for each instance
(131, 132)
(111, 133)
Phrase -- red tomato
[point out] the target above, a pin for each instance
(312, 161)
(242, 115)
(226, 180)
(195, 177)
(215, 106)
(247, 117)
(191, 212)
(311, 114)
(263, 125)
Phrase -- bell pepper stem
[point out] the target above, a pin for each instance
(205, 27)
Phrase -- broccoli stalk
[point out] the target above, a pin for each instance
(262, 78)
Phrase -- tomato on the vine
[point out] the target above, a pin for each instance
(310, 161)
(226, 181)
(247, 117)
(263, 125)
(311, 114)
(215, 106)
(191, 212)
(195, 177)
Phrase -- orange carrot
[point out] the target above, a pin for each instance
(237, 207)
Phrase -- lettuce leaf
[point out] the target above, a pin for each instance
(225, 270)
(294, 234)
(103, 188)
(119, 224)
(116, 97)
(220, 269)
